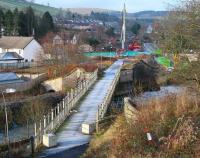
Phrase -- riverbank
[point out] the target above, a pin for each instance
(164, 125)
(172, 121)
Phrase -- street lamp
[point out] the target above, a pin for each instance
(7, 91)
(110, 54)
(101, 57)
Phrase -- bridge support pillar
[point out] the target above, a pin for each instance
(52, 115)
(35, 128)
(63, 107)
(58, 113)
(45, 124)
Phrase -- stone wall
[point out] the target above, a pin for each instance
(70, 81)
(54, 84)
(130, 110)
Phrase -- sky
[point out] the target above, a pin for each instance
(132, 5)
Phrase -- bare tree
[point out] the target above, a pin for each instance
(180, 30)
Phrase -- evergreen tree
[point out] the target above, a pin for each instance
(16, 22)
(30, 17)
(136, 28)
(36, 28)
(111, 32)
(8, 23)
(1, 19)
(93, 42)
(46, 24)
(22, 24)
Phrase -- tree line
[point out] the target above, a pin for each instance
(25, 23)
(105, 17)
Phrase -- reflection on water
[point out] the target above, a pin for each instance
(164, 91)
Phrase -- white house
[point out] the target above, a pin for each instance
(74, 40)
(65, 39)
(149, 29)
(27, 47)
(57, 40)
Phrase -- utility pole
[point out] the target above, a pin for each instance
(7, 91)
(6, 115)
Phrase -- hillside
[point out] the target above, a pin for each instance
(148, 14)
(138, 15)
(22, 4)
(87, 11)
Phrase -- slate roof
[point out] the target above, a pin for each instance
(9, 42)
(10, 56)
(9, 77)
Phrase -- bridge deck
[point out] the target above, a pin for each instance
(70, 136)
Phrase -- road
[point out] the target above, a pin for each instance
(70, 136)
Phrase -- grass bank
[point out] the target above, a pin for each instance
(173, 123)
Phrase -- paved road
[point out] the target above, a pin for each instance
(70, 135)
(75, 152)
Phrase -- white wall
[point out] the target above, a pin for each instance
(18, 51)
(30, 76)
(9, 62)
(32, 51)
(54, 84)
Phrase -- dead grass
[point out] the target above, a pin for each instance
(173, 122)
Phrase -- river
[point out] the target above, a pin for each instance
(164, 91)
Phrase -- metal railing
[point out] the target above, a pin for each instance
(52, 121)
(102, 109)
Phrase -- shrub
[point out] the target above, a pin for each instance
(173, 122)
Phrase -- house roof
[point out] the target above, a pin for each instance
(5, 76)
(9, 42)
(10, 56)
(57, 37)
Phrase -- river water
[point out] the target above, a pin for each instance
(164, 91)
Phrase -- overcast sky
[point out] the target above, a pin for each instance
(132, 5)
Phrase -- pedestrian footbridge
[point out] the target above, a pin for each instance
(92, 108)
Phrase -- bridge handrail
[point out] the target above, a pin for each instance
(107, 99)
(52, 120)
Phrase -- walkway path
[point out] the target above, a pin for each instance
(71, 135)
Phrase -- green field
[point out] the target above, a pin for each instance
(40, 9)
